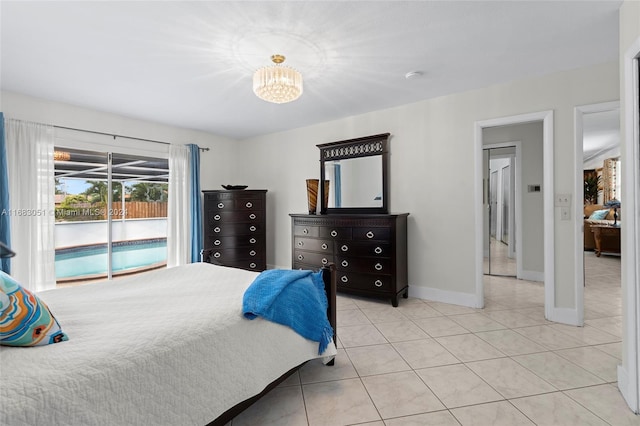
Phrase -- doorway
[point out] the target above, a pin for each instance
(547, 213)
(500, 162)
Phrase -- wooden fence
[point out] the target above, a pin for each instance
(138, 209)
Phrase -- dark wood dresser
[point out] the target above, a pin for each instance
(369, 251)
(235, 228)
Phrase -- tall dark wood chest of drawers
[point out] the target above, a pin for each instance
(369, 251)
(235, 228)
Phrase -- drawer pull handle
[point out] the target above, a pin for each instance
(344, 279)
(370, 235)
(216, 217)
(378, 283)
(324, 246)
(300, 243)
(334, 233)
(378, 250)
(378, 267)
(344, 248)
(324, 261)
(252, 240)
(216, 243)
(252, 253)
(216, 229)
(252, 216)
(252, 265)
(300, 257)
(220, 205)
(249, 204)
(345, 263)
(252, 228)
(305, 231)
(217, 254)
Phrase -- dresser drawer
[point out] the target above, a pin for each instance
(370, 282)
(234, 241)
(311, 258)
(241, 204)
(234, 254)
(372, 248)
(228, 229)
(322, 232)
(248, 264)
(313, 244)
(364, 264)
(335, 232)
(218, 216)
(305, 266)
(371, 233)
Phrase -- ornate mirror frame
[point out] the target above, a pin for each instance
(368, 146)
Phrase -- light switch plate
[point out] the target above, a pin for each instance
(563, 200)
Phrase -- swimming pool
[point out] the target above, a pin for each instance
(77, 262)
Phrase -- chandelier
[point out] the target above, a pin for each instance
(277, 83)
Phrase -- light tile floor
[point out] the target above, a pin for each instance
(429, 363)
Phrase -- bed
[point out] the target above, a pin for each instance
(166, 347)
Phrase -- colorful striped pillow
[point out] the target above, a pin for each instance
(25, 320)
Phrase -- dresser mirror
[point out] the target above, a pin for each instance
(357, 171)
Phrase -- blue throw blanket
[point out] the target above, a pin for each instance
(293, 298)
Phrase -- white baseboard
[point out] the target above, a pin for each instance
(444, 296)
(565, 316)
(269, 266)
(532, 276)
(627, 393)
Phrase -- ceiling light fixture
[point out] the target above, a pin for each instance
(277, 83)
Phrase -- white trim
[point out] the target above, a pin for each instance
(444, 296)
(547, 193)
(518, 204)
(531, 275)
(578, 205)
(566, 316)
(629, 373)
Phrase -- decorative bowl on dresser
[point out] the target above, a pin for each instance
(235, 228)
(369, 251)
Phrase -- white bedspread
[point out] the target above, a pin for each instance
(169, 347)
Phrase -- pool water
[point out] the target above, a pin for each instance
(81, 261)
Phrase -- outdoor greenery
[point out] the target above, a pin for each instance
(91, 203)
(591, 188)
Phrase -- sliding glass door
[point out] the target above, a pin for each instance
(111, 214)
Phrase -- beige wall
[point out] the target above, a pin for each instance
(432, 171)
(27, 108)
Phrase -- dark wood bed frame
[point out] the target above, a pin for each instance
(329, 278)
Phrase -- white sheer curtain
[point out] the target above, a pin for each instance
(31, 197)
(179, 217)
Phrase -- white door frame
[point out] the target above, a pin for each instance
(629, 371)
(578, 205)
(515, 213)
(547, 196)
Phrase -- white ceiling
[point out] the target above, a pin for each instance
(190, 64)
